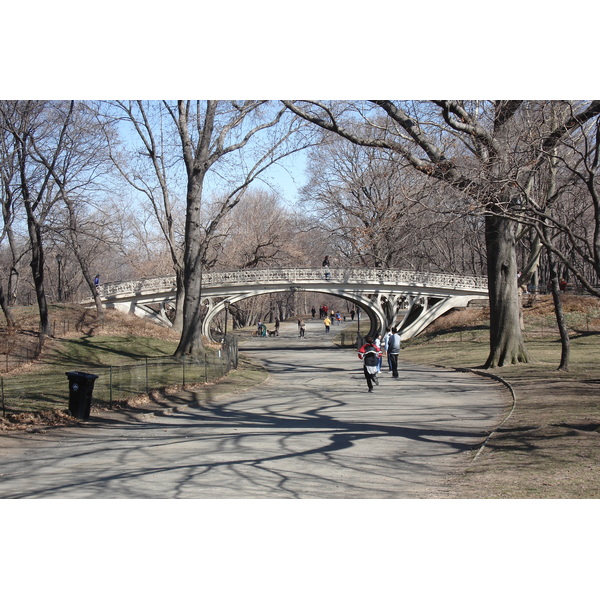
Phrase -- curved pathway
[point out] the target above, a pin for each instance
(311, 431)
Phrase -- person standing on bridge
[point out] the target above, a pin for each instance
(326, 267)
(369, 354)
(392, 348)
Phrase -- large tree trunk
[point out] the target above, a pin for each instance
(37, 271)
(179, 300)
(506, 339)
(565, 342)
(10, 321)
(191, 335)
(13, 285)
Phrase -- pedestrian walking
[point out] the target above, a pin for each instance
(393, 350)
(277, 323)
(384, 345)
(327, 323)
(302, 329)
(369, 354)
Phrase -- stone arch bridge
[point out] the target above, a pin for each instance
(409, 300)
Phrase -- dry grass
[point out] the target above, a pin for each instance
(34, 390)
(550, 445)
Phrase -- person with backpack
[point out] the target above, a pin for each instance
(369, 354)
(392, 348)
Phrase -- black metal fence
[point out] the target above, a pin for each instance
(118, 383)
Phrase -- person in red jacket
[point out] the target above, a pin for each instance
(370, 354)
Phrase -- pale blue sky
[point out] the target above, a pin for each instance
(289, 177)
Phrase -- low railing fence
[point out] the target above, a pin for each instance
(116, 383)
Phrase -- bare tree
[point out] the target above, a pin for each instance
(566, 215)
(362, 199)
(9, 173)
(244, 138)
(36, 127)
(79, 174)
(260, 232)
(477, 149)
(155, 171)
(561, 206)
(380, 213)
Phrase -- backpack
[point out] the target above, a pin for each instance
(370, 357)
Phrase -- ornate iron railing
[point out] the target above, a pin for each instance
(149, 285)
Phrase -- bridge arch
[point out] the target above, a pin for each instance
(375, 314)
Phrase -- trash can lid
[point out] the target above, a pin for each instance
(81, 374)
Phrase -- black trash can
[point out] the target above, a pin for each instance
(81, 386)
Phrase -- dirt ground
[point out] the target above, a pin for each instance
(549, 447)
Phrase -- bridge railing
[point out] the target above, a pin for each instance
(149, 285)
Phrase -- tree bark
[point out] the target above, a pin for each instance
(565, 342)
(10, 321)
(191, 336)
(37, 271)
(506, 338)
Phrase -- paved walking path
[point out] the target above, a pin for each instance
(311, 431)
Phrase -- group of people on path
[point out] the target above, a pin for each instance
(262, 328)
(332, 318)
(371, 353)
